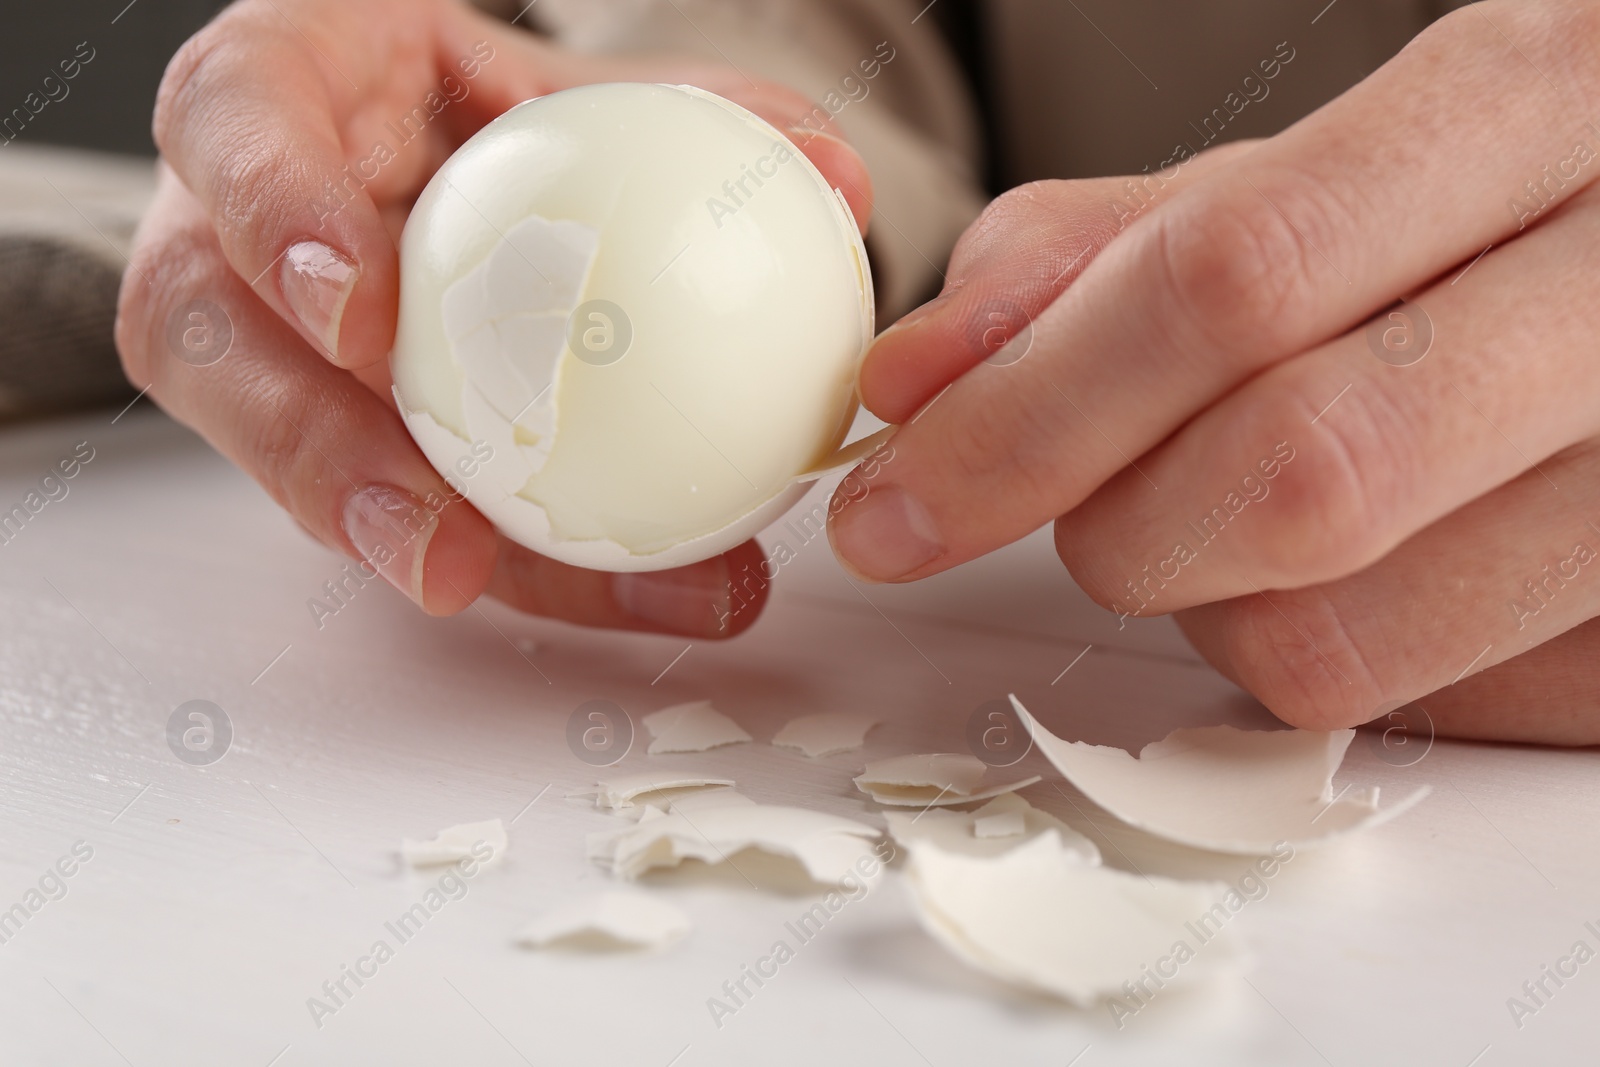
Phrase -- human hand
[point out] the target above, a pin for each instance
(1206, 418)
(295, 135)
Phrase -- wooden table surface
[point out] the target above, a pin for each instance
(215, 900)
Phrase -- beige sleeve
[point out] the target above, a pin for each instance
(913, 120)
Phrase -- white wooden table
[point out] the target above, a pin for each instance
(219, 898)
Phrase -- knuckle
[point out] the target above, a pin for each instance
(1012, 444)
(185, 85)
(275, 444)
(163, 272)
(158, 271)
(1020, 202)
(1040, 219)
(1298, 654)
(1080, 548)
(249, 195)
(1019, 210)
(1557, 37)
(1236, 271)
(245, 190)
(1566, 35)
(136, 314)
(1339, 498)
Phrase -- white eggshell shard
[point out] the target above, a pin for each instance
(1222, 788)
(630, 320)
(613, 919)
(456, 843)
(1004, 824)
(950, 771)
(936, 779)
(701, 799)
(826, 733)
(1040, 917)
(828, 847)
(692, 727)
(625, 791)
(999, 826)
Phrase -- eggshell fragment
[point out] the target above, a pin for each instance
(691, 727)
(935, 770)
(1004, 824)
(623, 791)
(455, 843)
(930, 780)
(1010, 821)
(615, 918)
(827, 846)
(825, 734)
(1222, 788)
(1037, 915)
(701, 799)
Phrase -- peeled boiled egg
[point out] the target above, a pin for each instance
(630, 317)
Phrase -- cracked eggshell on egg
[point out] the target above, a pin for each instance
(630, 319)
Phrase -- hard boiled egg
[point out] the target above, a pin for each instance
(630, 317)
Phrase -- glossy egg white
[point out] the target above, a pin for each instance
(630, 318)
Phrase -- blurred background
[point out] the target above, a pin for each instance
(112, 96)
(76, 77)
(78, 81)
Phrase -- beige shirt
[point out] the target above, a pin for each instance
(1074, 88)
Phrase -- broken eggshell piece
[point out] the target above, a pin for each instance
(1222, 788)
(617, 918)
(1038, 916)
(998, 827)
(708, 798)
(620, 373)
(827, 846)
(623, 792)
(826, 733)
(456, 843)
(930, 779)
(692, 727)
(931, 770)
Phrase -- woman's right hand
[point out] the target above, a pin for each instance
(295, 135)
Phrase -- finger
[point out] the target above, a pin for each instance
(527, 66)
(713, 599)
(1487, 583)
(1545, 696)
(1274, 253)
(841, 165)
(1323, 464)
(326, 448)
(1025, 249)
(245, 117)
(337, 457)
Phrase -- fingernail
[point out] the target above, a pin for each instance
(885, 535)
(690, 600)
(391, 529)
(316, 282)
